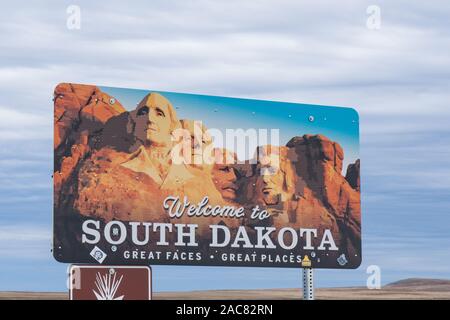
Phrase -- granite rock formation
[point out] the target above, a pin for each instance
(352, 175)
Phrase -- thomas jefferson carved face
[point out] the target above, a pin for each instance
(155, 120)
(200, 142)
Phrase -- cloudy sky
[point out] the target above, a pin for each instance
(397, 76)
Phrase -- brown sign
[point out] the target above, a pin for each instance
(110, 283)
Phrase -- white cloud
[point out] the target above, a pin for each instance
(23, 233)
(25, 241)
(19, 125)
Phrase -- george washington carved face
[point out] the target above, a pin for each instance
(155, 120)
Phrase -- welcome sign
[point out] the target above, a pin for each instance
(147, 177)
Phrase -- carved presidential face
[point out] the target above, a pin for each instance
(200, 143)
(270, 181)
(154, 120)
(269, 185)
(225, 176)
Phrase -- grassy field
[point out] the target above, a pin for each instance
(405, 289)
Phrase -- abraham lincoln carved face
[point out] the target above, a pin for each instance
(155, 120)
(270, 182)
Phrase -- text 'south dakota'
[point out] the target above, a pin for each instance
(185, 235)
(287, 238)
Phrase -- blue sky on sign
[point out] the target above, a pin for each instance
(397, 77)
(291, 119)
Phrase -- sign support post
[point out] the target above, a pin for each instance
(308, 284)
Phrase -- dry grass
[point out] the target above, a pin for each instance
(281, 294)
(405, 289)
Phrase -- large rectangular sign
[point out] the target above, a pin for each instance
(151, 177)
